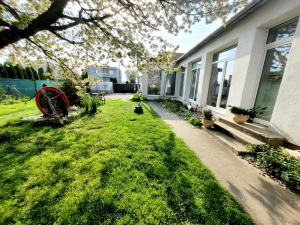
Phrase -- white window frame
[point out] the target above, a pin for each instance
(182, 79)
(194, 98)
(267, 47)
(226, 60)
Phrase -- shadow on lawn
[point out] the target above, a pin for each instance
(20, 142)
(181, 193)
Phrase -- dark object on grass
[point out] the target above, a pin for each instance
(138, 109)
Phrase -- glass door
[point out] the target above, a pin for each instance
(195, 80)
(221, 76)
(278, 47)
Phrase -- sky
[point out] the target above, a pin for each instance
(184, 40)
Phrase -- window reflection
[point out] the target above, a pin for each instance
(283, 31)
(154, 80)
(170, 84)
(181, 82)
(272, 74)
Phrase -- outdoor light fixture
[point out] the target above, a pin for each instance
(138, 109)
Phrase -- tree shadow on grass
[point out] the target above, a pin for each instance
(149, 109)
(217, 206)
(20, 142)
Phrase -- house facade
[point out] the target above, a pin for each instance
(252, 61)
(105, 74)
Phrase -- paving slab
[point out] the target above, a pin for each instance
(267, 202)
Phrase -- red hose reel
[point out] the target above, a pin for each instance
(52, 102)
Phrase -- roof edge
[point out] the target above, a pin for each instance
(256, 4)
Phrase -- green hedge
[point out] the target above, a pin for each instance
(8, 70)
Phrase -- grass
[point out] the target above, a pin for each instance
(115, 167)
(16, 111)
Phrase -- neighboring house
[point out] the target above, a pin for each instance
(252, 61)
(105, 73)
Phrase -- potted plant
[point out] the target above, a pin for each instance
(240, 115)
(208, 120)
(255, 111)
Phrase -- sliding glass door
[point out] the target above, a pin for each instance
(221, 76)
(278, 47)
(195, 80)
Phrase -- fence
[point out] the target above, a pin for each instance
(20, 88)
(126, 88)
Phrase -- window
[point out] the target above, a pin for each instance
(111, 72)
(182, 75)
(154, 80)
(170, 84)
(282, 31)
(221, 76)
(278, 47)
(195, 80)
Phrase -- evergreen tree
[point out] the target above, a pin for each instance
(35, 73)
(26, 74)
(29, 73)
(14, 74)
(1, 70)
(20, 71)
(11, 71)
(4, 72)
(48, 74)
(41, 73)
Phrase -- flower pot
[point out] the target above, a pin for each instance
(208, 123)
(240, 118)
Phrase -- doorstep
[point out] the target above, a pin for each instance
(252, 133)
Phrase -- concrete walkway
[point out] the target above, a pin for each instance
(123, 96)
(266, 201)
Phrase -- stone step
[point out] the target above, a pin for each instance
(256, 131)
(235, 146)
(236, 134)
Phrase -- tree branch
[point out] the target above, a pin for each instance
(13, 12)
(52, 57)
(65, 39)
(42, 22)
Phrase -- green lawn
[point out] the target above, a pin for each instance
(16, 111)
(112, 168)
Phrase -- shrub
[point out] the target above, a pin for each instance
(137, 97)
(208, 114)
(239, 111)
(8, 100)
(41, 73)
(113, 80)
(255, 111)
(195, 121)
(70, 90)
(173, 106)
(90, 104)
(278, 164)
(256, 149)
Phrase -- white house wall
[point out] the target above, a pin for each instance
(286, 112)
(250, 36)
